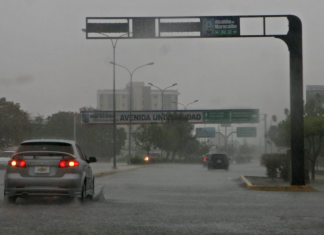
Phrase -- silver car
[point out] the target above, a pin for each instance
(49, 168)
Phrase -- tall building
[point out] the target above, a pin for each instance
(143, 98)
(315, 90)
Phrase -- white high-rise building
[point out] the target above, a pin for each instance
(143, 98)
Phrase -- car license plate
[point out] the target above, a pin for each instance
(41, 169)
(219, 161)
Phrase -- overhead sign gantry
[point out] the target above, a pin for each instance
(157, 116)
(220, 27)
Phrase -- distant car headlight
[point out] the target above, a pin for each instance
(146, 159)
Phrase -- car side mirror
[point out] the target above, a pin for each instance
(92, 159)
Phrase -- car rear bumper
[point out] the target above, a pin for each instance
(42, 191)
(218, 166)
(68, 185)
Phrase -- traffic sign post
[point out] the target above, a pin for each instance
(221, 26)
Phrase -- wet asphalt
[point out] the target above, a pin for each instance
(170, 199)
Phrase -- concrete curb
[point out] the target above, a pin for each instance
(98, 174)
(277, 188)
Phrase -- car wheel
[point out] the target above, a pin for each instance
(90, 197)
(83, 193)
(10, 200)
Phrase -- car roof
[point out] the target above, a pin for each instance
(214, 154)
(49, 141)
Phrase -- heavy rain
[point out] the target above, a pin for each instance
(161, 117)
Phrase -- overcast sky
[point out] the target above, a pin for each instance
(47, 65)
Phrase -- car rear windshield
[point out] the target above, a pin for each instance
(46, 146)
(218, 156)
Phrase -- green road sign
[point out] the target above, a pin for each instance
(231, 116)
(217, 116)
(220, 26)
(245, 115)
(246, 132)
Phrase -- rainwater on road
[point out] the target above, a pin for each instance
(171, 199)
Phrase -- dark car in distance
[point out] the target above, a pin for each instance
(218, 161)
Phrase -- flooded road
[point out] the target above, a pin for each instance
(171, 199)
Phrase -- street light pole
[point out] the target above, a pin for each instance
(74, 127)
(162, 93)
(130, 101)
(114, 45)
(265, 132)
(185, 106)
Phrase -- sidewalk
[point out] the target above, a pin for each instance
(267, 184)
(106, 168)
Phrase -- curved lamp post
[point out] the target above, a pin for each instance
(114, 45)
(185, 106)
(162, 91)
(130, 101)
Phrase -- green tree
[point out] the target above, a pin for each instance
(165, 140)
(193, 149)
(97, 140)
(314, 133)
(227, 149)
(146, 137)
(280, 134)
(205, 147)
(314, 107)
(246, 149)
(14, 124)
(60, 126)
(176, 133)
(38, 125)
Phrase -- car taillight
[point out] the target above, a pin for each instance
(17, 163)
(205, 159)
(68, 163)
